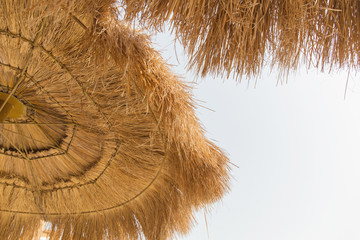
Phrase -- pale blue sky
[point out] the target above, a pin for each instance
(297, 146)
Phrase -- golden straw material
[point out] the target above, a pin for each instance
(240, 37)
(109, 146)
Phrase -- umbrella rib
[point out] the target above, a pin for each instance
(26, 65)
(50, 114)
(56, 147)
(14, 145)
(50, 97)
(80, 85)
(48, 135)
(6, 32)
(40, 87)
(37, 197)
(78, 21)
(25, 136)
(31, 123)
(65, 123)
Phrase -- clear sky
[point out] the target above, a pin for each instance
(297, 145)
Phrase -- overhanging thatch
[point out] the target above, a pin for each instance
(224, 36)
(109, 146)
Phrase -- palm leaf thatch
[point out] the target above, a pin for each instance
(105, 143)
(232, 36)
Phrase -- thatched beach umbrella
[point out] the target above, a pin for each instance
(224, 36)
(97, 136)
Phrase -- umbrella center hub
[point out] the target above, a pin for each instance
(11, 107)
(31, 131)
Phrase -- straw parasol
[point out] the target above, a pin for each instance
(240, 37)
(97, 136)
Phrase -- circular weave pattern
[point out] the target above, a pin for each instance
(74, 129)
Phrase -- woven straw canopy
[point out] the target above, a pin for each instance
(240, 37)
(97, 136)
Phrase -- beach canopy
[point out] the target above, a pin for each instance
(241, 37)
(97, 137)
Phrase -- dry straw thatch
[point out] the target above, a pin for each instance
(108, 146)
(224, 36)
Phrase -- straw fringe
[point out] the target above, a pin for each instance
(231, 36)
(110, 147)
